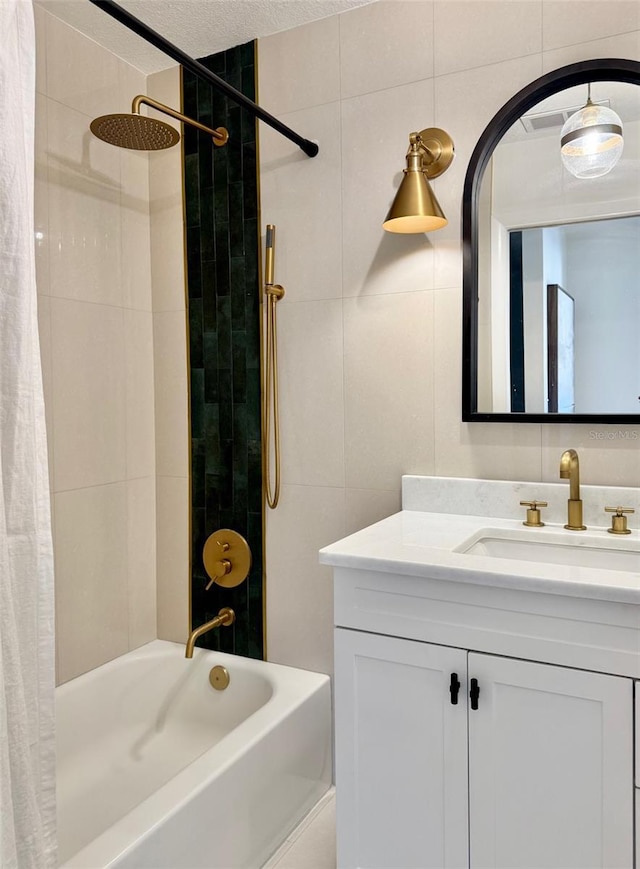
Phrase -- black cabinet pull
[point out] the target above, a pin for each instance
(474, 693)
(454, 687)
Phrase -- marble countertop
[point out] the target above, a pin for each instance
(424, 544)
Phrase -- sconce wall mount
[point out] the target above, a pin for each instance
(415, 207)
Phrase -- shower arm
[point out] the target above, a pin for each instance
(220, 136)
(194, 66)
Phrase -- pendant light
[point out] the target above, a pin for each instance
(591, 140)
(415, 207)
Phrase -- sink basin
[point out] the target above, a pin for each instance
(553, 549)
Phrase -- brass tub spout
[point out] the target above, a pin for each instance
(225, 617)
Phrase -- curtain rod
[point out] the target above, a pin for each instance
(194, 66)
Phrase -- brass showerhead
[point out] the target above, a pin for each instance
(141, 133)
(137, 132)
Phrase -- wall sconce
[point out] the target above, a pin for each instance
(591, 140)
(415, 207)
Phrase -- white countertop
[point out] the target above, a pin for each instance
(420, 543)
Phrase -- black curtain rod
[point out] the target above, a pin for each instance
(194, 66)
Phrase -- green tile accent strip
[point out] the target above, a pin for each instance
(221, 191)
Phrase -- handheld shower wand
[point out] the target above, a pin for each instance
(269, 255)
(273, 293)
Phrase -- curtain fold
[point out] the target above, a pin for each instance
(27, 711)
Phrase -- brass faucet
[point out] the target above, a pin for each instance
(225, 617)
(570, 469)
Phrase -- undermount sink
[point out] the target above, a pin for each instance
(554, 549)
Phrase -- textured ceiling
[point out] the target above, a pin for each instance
(198, 27)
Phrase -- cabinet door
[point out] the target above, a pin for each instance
(401, 754)
(550, 767)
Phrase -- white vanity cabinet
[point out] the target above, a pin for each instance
(535, 769)
(401, 754)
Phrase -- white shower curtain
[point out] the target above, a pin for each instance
(27, 747)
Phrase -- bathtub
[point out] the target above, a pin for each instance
(158, 770)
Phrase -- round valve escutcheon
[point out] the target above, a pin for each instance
(227, 558)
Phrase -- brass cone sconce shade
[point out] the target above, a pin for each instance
(415, 207)
(591, 141)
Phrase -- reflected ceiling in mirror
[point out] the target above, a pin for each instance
(552, 262)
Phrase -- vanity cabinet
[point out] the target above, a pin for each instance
(401, 756)
(447, 757)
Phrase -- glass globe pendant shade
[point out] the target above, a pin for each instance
(591, 141)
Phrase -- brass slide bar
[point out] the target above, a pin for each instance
(194, 66)
(273, 293)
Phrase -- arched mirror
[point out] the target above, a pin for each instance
(551, 285)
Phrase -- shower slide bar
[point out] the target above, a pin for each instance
(194, 66)
(272, 294)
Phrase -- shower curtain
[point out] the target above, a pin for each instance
(27, 747)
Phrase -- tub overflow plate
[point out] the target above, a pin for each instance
(219, 678)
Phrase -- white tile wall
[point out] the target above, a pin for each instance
(366, 506)
(89, 405)
(94, 284)
(80, 73)
(92, 606)
(389, 406)
(85, 224)
(571, 22)
(139, 394)
(171, 408)
(141, 560)
(301, 66)
(173, 503)
(306, 197)
(299, 590)
(401, 66)
(370, 58)
(310, 391)
(471, 34)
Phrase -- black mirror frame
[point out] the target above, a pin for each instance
(605, 69)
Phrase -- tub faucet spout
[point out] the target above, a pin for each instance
(570, 469)
(225, 617)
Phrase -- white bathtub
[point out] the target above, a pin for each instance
(156, 769)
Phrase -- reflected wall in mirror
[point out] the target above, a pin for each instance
(552, 262)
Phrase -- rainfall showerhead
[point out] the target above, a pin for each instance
(141, 133)
(137, 132)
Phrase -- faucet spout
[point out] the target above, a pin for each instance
(570, 469)
(225, 617)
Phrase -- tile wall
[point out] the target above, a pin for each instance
(95, 311)
(221, 207)
(170, 371)
(370, 328)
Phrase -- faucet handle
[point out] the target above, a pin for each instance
(533, 513)
(619, 521)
